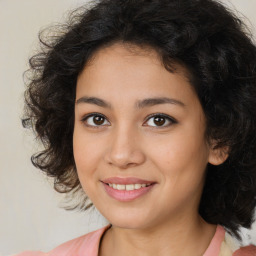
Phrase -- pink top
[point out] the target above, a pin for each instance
(88, 245)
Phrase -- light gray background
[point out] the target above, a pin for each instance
(30, 217)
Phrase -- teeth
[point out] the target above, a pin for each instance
(120, 187)
(127, 187)
(137, 186)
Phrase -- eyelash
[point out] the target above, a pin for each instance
(166, 117)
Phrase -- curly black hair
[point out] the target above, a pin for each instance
(204, 36)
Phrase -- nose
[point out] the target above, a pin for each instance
(125, 149)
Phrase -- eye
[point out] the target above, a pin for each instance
(95, 120)
(160, 120)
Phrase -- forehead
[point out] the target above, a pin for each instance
(120, 58)
(131, 52)
(134, 71)
(126, 49)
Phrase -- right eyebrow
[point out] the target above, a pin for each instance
(93, 100)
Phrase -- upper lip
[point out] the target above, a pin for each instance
(126, 180)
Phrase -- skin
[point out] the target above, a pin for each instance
(128, 143)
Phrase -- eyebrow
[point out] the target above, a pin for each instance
(149, 102)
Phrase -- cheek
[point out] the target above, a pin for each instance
(86, 155)
(185, 153)
(86, 146)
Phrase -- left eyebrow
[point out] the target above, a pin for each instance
(149, 102)
(156, 101)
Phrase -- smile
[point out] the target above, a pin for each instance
(126, 189)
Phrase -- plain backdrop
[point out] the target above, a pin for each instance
(30, 213)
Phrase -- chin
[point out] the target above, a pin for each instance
(129, 221)
(126, 224)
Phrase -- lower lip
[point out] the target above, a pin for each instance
(124, 195)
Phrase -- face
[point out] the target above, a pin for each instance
(139, 143)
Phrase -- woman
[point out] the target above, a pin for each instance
(149, 108)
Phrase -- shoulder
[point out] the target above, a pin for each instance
(88, 243)
(249, 250)
(232, 245)
(31, 254)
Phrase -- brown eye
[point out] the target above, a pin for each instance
(160, 120)
(95, 120)
(98, 120)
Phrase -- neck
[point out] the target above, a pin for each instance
(180, 237)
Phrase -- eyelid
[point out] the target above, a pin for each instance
(169, 118)
(84, 118)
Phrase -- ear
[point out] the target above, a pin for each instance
(218, 156)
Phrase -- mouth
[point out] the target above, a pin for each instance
(127, 189)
